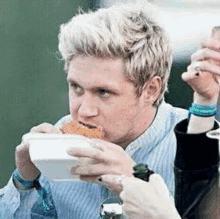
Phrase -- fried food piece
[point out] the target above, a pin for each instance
(74, 127)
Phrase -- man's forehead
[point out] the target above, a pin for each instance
(84, 65)
(98, 72)
(93, 82)
(91, 62)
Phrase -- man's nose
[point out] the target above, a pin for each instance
(88, 107)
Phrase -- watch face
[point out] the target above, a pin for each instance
(111, 208)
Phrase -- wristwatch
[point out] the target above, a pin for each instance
(112, 208)
(142, 171)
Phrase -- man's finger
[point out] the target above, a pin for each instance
(22, 150)
(205, 54)
(89, 170)
(87, 152)
(104, 145)
(89, 178)
(189, 76)
(211, 67)
(45, 128)
(114, 182)
(211, 44)
(94, 169)
(110, 179)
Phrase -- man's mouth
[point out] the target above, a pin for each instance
(87, 125)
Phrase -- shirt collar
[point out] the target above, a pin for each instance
(154, 133)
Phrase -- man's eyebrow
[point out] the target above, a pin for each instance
(70, 80)
(107, 85)
(110, 87)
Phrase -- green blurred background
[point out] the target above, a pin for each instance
(33, 83)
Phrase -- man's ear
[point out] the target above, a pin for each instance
(151, 90)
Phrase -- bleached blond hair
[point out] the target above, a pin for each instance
(126, 31)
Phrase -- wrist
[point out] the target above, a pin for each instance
(28, 173)
(201, 118)
(22, 183)
(198, 99)
(18, 185)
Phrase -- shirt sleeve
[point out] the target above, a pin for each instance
(195, 151)
(15, 203)
(196, 173)
(12, 200)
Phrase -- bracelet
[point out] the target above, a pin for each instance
(26, 183)
(203, 111)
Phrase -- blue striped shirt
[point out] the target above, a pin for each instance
(81, 200)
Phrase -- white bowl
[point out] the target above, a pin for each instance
(49, 154)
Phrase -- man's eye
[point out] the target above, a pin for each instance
(75, 87)
(104, 93)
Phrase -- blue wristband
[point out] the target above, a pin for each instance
(26, 183)
(203, 111)
(47, 201)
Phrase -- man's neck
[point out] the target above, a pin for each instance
(142, 126)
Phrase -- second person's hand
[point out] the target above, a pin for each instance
(203, 74)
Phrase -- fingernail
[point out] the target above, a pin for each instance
(100, 179)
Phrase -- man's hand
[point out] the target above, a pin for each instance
(103, 158)
(22, 158)
(203, 74)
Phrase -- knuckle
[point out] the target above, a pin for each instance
(21, 148)
(189, 68)
(192, 57)
(97, 154)
(205, 52)
(206, 65)
(24, 137)
(18, 149)
(33, 129)
(44, 124)
(47, 125)
(42, 128)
